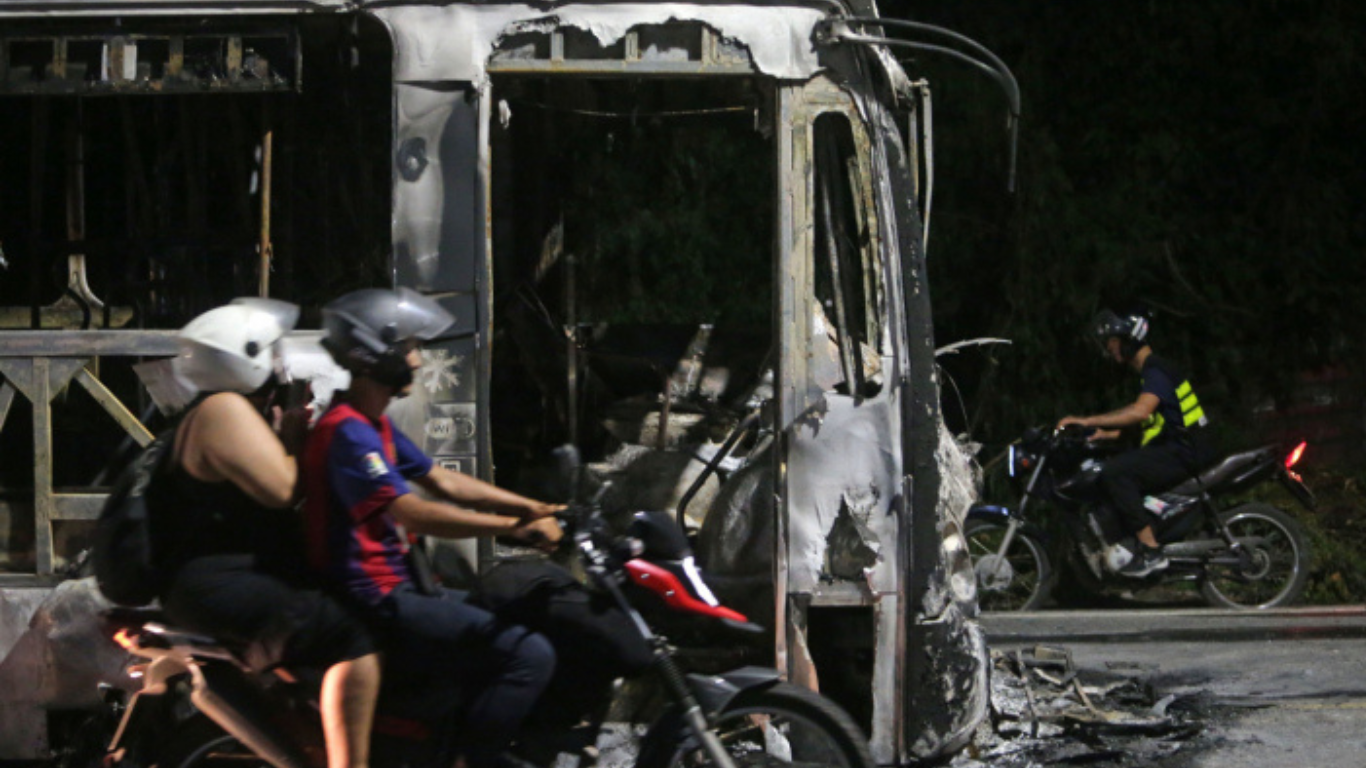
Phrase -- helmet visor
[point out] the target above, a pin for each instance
(419, 317)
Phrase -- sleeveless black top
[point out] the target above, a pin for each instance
(193, 518)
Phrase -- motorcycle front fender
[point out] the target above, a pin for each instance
(715, 692)
(1000, 515)
(994, 512)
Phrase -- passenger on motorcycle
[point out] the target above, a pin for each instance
(360, 511)
(1174, 443)
(226, 533)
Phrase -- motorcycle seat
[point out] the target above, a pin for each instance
(1224, 470)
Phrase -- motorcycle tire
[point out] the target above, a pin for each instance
(1279, 570)
(779, 725)
(1031, 573)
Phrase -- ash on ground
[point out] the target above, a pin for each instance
(1046, 711)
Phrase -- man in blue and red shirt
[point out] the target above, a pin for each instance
(360, 510)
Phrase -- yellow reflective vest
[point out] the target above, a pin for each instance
(1178, 401)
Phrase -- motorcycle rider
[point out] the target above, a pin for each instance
(227, 536)
(1174, 443)
(360, 509)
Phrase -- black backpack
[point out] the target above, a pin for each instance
(125, 564)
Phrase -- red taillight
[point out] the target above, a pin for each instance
(1294, 457)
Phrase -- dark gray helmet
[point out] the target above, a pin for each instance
(365, 331)
(1131, 328)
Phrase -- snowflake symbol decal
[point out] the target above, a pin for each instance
(439, 370)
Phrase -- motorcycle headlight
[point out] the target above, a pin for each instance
(1020, 461)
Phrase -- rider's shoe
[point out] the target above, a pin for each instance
(1147, 560)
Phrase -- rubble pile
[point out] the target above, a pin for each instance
(1046, 711)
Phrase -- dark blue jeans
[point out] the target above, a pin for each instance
(443, 652)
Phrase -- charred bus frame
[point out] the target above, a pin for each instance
(867, 488)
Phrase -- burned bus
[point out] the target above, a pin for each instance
(686, 237)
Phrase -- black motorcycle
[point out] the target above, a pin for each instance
(200, 705)
(1249, 555)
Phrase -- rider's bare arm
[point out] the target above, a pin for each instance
(1130, 415)
(228, 439)
(477, 494)
(447, 520)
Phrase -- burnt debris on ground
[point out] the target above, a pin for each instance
(1047, 711)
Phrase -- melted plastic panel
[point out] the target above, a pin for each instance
(428, 50)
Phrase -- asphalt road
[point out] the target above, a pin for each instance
(1268, 690)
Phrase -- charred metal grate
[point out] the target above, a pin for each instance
(669, 49)
(98, 62)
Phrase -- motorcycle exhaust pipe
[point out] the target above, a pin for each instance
(1198, 547)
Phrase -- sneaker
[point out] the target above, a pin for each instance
(1117, 556)
(1146, 561)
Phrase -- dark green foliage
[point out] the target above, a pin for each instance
(1337, 533)
(1201, 158)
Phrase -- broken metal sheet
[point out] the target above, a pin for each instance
(959, 479)
(846, 461)
(438, 232)
(56, 663)
(955, 692)
(427, 47)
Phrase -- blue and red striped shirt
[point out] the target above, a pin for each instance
(354, 468)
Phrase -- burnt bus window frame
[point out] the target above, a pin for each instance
(847, 276)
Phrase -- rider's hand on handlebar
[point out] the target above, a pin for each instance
(535, 510)
(1067, 421)
(542, 533)
(1076, 426)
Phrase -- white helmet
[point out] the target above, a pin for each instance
(232, 348)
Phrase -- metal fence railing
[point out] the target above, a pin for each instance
(37, 365)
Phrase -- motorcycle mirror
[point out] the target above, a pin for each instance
(568, 471)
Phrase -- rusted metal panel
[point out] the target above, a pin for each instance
(38, 344)
(42, 466)
(18, 374)
(111, 404)
(39, 365)
(6, 399)
(77, 506)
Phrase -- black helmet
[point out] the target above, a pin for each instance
(365, 331)
(1131, 328)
